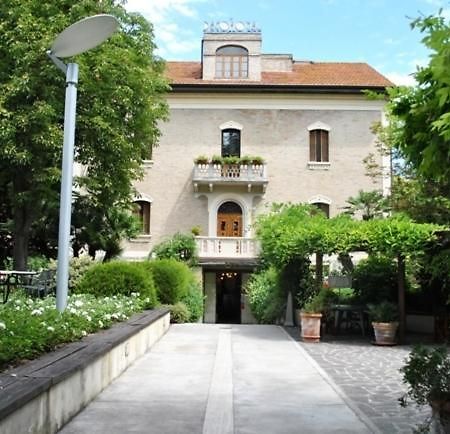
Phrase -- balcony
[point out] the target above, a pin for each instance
(227, 248)
(251, 176)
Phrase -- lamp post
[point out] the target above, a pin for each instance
(75, 39)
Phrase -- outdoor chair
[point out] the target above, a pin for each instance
(40, 285)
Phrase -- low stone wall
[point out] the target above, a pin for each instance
(43, 395)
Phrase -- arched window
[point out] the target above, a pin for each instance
(231, 62)
(318, 146)
(231, 143)
(141, 210)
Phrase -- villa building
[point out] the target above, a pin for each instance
(310, 124)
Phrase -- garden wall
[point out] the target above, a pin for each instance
(43, 395)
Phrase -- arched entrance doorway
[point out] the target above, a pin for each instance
(229, 220)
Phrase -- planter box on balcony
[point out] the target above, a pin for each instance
(231, 174)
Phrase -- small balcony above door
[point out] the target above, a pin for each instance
(253, 177)
(227, 249)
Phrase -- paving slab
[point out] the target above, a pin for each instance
(369, 377)
(222, 379)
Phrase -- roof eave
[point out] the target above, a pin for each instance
(265, 88)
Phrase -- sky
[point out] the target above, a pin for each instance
(377, 32)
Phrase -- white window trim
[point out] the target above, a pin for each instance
(319, 165)
(142, 197)
(319, 126)
(320, 198)
(231, 125)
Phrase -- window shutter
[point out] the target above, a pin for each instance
(312, 146)
(324, 143)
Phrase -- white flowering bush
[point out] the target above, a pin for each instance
(30, 326)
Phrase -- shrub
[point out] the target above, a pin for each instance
(181, 247)
(119, 277)
(77, 268)
(267, 300)
(179, 312)
(375, 280)
(194, 301)
(320, 302)
(427, 375)
(383, 312)
(172, 279)
(37, 263)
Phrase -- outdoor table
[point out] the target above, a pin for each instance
(347, 310)
(10, 279)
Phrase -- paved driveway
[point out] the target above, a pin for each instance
(369, 375)
(242, 379)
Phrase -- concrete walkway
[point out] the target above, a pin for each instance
(222, 379)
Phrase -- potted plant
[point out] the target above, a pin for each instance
(384, 317)
(201, 159)
(311, 315)
(257, 161)
(427, 374)
(217, 160)
(245, 160)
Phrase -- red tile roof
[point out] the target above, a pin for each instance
(303, 74)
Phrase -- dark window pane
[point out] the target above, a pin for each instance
(231, 143)
(230, 208)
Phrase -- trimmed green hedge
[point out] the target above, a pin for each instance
(119, 277)
(172, 279)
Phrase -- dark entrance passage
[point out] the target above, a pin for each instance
(228, 297)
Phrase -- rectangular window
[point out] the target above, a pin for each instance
(141, 210)
(231, 143)
(318, 146)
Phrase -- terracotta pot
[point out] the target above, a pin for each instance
(310, 326)
(385, 332)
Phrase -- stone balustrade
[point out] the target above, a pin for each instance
(227, 248)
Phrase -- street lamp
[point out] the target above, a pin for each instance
(76, 39)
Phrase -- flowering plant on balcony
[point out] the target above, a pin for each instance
(246, 160)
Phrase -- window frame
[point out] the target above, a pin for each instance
(323, 206)
(143, 213)
(231, 65)
(238, 144)
(319, 145)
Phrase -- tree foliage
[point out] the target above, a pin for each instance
(120, 100)
(291, 231)
(369, 204)
(181, 247)
(423, 112)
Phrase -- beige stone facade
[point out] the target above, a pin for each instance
(274, 121)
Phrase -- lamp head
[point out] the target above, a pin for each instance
(83, 35)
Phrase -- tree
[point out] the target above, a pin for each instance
(120, 100)
(100, 227)
(423, 112)
(370, 204)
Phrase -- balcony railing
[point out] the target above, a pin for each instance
(227, 248)
(241, 174)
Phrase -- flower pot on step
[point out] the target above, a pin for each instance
(385, 333)
(310, 326)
